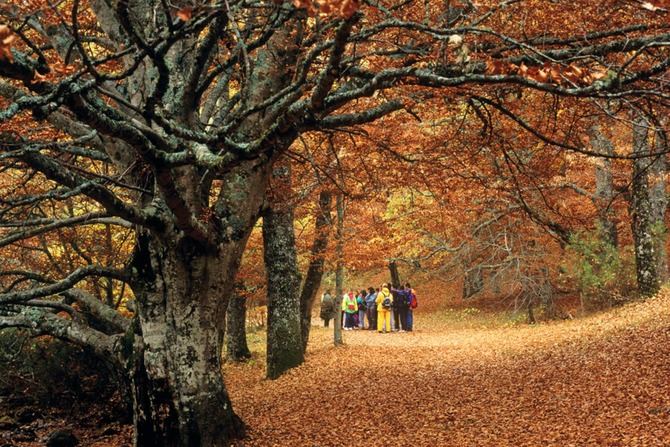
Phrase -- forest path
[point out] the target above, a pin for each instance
(597, 381)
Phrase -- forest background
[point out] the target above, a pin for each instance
(175, 173)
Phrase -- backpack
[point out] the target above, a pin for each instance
(412, 300)
(362, 306)
(387, 303)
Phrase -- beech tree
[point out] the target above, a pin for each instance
(168, 118)
(237, 348)
(647, 206)
(284, 339)
(290, 299)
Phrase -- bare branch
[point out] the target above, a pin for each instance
(63, 285)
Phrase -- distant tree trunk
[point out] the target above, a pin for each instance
(395, 276)
(642, 218)
(546, 294)
(315, 270)
(473, 282)
(284, 342)
(659, 203)
(531, 313)
(494, 281)
(605, 192)
(237, 349)
(339, 269)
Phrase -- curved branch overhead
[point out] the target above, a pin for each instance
(195, 93)
(138, 140)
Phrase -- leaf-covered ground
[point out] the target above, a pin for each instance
(462, 379)
(599, 381)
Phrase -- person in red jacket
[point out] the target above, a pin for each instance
(412, 305)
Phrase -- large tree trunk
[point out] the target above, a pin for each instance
(180, 396)
(315, 270)
(284, 340)
(182, 289)
(160, 420)
(237, 349)
(642, 218)
(339, 269)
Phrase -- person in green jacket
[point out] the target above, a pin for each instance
(350, 308)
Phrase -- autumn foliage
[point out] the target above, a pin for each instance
(506, 155)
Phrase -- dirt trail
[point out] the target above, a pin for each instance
(599, 381)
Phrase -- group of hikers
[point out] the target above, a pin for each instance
(386, 308)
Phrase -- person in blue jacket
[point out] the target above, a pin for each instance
(400, 308)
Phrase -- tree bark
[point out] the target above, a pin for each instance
(605, 192)
(531, 313)
(182, 287)
(646, 264)
(339, 270)
(179, 394)
(395, 276)
(659, 203)
(284, 341)
(316, 264)
(473, 282)
(237, 349)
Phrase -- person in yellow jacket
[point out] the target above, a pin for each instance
(384, 313)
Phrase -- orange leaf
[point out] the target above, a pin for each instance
(185, 14)
(6, 39)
